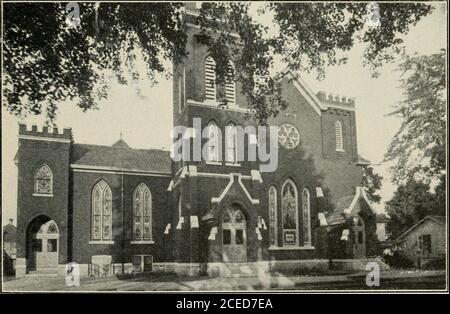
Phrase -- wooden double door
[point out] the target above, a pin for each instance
(234, 236)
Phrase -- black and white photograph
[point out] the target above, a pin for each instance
(224, 147)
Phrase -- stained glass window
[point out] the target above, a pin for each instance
(43, 180)
(213, 142)
(273, 216)
(288, 136)
(231, 142)
(306, 217)
(101, 212)
(142, 225)
(289, 207)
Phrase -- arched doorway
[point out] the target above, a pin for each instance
(234, 236)
(359, 238)
(42, 244)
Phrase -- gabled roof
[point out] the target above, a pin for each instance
(121, 157)
(437, 219)
(346, 207)
(320, 101)
(303, 89)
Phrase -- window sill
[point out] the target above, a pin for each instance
(340, 150)
(216, 163)
(101, 242)
(287, 248)
(232, 164)
(142, 242)
(43, 195)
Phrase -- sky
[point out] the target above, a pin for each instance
(145, 120)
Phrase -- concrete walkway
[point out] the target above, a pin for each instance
(168, 282)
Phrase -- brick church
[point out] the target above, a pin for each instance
(139, 210)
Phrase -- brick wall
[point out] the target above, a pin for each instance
(122, 249)
(38, 147)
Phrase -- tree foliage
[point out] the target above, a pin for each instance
(411, 202)
(310, 35)
(47, 62)
(418, 148)
(371, 183)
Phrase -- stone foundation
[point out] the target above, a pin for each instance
(21, 267)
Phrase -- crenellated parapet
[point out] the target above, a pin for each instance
(336, 100)
(27, 130)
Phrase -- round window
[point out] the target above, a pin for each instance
(288, 136)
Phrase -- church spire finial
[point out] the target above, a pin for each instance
(121, 143)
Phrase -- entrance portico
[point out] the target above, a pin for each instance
(42, 244)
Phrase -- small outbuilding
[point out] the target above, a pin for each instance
(424, 242)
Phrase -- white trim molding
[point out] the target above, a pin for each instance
(229, 185)
(168, 227)
(142, 242)
(101, 242)
(216, 105)
(42, 195)
(103, 169)
(290, 248)
(304, 90)
(180, 223)
(359, 193)
(194, 222)
(46, 139)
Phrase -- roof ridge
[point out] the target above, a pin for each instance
(126, 148)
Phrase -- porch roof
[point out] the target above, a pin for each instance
(346, 207)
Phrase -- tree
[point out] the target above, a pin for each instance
(371, 183)
(47, 62)
(411, 202)
(418, 148)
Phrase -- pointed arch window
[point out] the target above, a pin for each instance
(339, 138)
(231, 143)
(43, 181)
(142, 222)
(213, 142)
(230, 85)
(289, 210)
(101, 212)
(273, 221)
(210, 78)
(306, 217)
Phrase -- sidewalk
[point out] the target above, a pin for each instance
(167, 282)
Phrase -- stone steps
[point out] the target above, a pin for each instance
(43, 272)
(241, 270)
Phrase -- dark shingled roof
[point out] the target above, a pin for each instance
(338, 215)
(121, 156)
